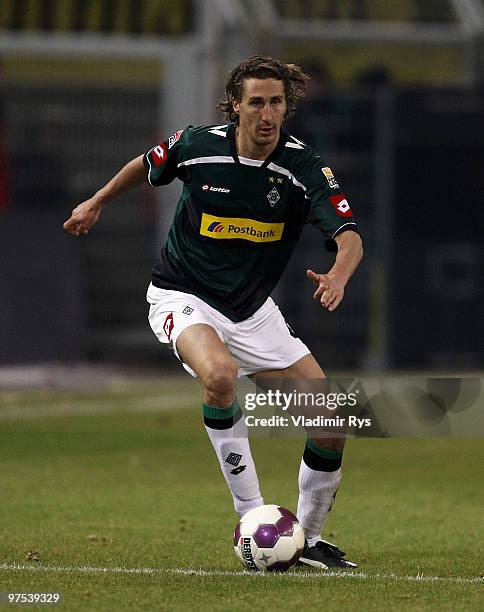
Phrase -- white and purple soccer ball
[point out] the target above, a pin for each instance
(268, 539)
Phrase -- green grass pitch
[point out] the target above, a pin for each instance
(117, 496)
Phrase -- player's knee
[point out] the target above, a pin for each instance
(220, 381)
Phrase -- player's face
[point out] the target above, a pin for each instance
(261, 111)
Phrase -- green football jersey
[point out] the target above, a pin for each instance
(238, 220)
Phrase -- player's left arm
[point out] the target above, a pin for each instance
(331, 286)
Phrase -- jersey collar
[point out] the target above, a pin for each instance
(233, 147)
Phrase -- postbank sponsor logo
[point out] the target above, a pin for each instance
(243, 229)
(216, 227)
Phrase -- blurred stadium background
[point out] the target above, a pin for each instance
(396, 106)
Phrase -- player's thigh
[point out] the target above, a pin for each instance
(306, 376)
(303, 376)
(265, 342)
(202, 349)
(305, 368)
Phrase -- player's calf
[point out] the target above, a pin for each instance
(227, 431)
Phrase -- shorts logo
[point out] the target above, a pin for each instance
(174, 138)
(328, 173)
(168, 325)
(188, 310)
(215, 227)
(243, 229)
(273, 196)
(159, 154)
(341, 205)
(216, 189)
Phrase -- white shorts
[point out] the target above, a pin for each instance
(261, 342)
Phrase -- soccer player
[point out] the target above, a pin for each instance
(248, 190)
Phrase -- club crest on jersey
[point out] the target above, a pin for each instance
(174, 138)
(159, 154)
(273, 196)
(328, 173)
(341, 205)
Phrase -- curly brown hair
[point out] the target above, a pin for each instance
(261, 67)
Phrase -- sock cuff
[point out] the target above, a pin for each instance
(221, 418)
(320, 459)
(212, 412)
(323, 452)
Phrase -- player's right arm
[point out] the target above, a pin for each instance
(84, 216)
(159, 166)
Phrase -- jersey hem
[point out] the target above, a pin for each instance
(231, 315)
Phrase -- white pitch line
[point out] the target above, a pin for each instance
(84, 569)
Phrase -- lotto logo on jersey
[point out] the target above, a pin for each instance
(215, 189)
(174, 138)
(243, 229)
(341, 205)
(159, 154)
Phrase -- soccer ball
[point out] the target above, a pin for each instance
(268, 539)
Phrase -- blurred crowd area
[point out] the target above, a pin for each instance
(368, 10)
(397, 123)
(121, 16)
(177, 16)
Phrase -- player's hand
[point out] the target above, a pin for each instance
(83, 217)
(330, 289)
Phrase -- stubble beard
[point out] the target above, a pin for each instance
(264, 141)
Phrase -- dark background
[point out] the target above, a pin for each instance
(407, 150)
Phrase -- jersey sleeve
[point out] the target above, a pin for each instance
(329, 210)
(161, 161)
